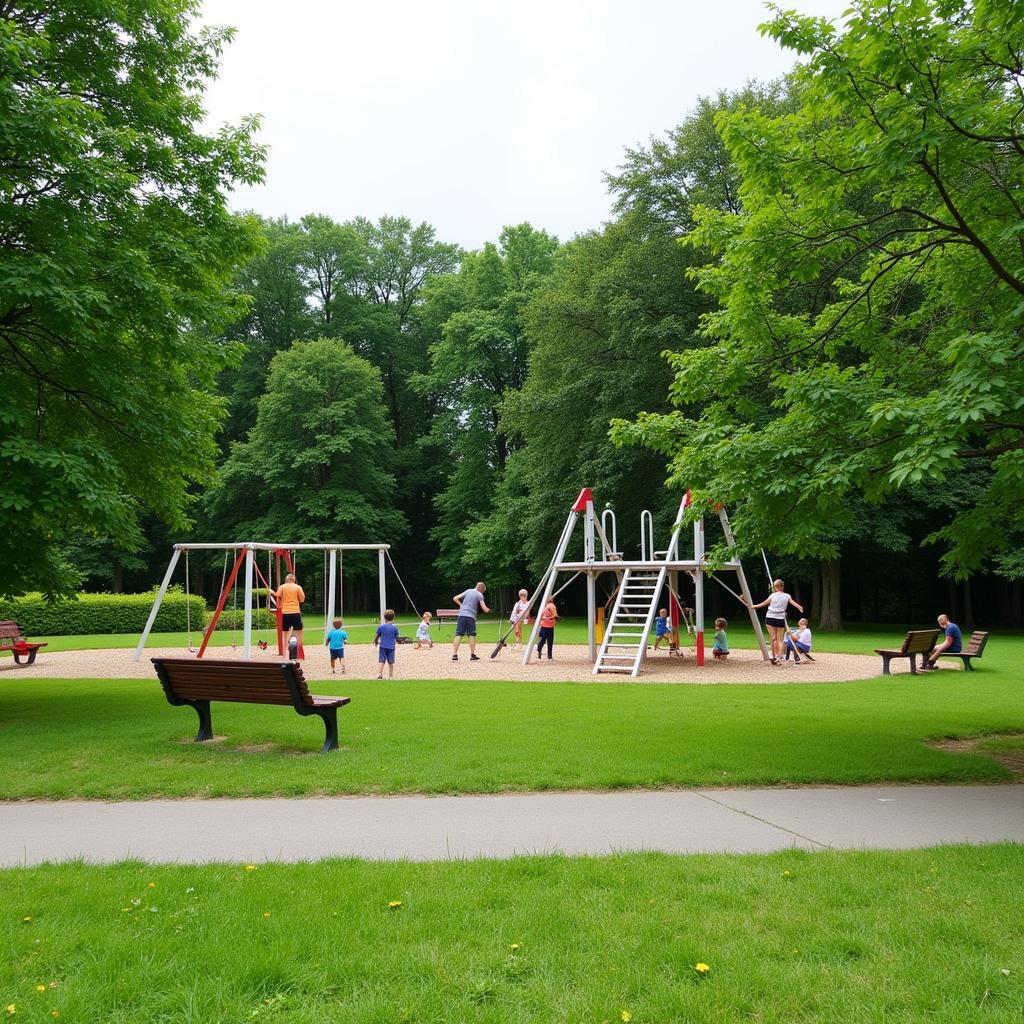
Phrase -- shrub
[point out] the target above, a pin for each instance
(103, 613)
(235, 619)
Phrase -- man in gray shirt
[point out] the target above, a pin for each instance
(470, 602)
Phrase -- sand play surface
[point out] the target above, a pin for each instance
(570, 664)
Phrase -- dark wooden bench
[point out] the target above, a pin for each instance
(974, 648)
(12, 640)
(195, 682)
(917, 641)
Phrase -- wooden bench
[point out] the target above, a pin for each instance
(917, 641)
(195, 682)
(974, 648)
(446, 613)
(12, 640)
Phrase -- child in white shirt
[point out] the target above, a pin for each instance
(423, 632)
(518, 616)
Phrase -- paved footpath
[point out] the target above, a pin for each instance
(439, 828)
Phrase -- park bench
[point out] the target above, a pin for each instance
(974, 648)
(196, 682)
(12, 640)
(446, 613)
(917, 641)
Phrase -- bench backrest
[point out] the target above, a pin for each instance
(9, 631)
(919, 641)
(448, 613)
(249, 682)
(977, 643)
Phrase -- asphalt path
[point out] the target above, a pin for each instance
(463, 827)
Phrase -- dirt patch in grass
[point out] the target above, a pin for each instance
(1011, 760)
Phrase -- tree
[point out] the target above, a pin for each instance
(317, 464)
(870, 330)
(115, 271)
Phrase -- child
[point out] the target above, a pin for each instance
(660, 627)
(799, 643)
(385, 640)
(519, 616)
(423, 632)
(335, 643)
(548, 617)
(721, 648)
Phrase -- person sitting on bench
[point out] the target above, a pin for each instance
(951, 644)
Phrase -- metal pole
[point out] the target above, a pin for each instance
(588, 556)
(698, 580)
(329, 610)
(741, 576)
(247, 627)
(156, 604)
(380, 580)
(547, 581)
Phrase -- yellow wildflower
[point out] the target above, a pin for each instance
(26, 920)
(12, 1009)
(40, 988)
(266, 913)
(785, 874)
(394, 904)
(151, 885)
(626, 1016)
(55, 1013)
(250, 867)
(514, 946)
(701, 968)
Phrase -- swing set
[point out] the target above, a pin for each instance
(280, 560)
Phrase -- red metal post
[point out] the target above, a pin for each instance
(221, 602)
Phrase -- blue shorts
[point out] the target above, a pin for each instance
(386, 655)
(465, 625)
(337, 654)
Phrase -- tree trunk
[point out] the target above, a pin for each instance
(117, 581)
(830, 616)
(968, 612)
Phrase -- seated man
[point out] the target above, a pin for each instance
(951, 644)
(798, 643)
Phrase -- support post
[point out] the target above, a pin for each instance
(380, 581)
(156, 604)
(698, 581)
(221, 601)
(331, 577)
(741, 576)
(247, 621)
(588, 556)
(547, 581)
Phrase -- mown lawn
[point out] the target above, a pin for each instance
(120, 739)
(930, 935)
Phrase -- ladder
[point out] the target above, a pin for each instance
(625, 639)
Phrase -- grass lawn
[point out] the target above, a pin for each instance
(855, 639)
(931, 935)
(120, 739)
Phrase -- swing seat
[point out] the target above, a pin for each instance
(194, 683)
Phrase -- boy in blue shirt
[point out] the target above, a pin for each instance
(384, 641)
(660, 627)
(335, 643)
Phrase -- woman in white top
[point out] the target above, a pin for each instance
(778, 601)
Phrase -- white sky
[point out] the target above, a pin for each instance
(472, 114)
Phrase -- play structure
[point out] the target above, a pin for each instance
(280, 558)
(641, 583)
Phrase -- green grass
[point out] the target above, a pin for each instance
(120, 738)
(921, 936)
(854, 639)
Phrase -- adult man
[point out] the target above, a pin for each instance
(470, 602)
(952, 644)
(289, 597)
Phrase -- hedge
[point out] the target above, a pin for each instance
(103, 613)
(232, 619)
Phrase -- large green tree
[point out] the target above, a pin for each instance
(318, 464)
(871, 289)
(116, 257)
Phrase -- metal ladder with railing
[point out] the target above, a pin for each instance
(629, 625)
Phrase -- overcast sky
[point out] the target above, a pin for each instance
(472, 114)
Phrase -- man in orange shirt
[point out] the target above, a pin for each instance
(289, 597)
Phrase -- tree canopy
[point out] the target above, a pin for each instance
(115, 270)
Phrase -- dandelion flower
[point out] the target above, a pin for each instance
(785, 874)
(266, 913)
(250, 867)
(701, 968)
(394, 904)
(40, 988)
(12, 1009)
(55, 1013)
(626, 1016)
(25, 920)
(151, 885)
(514, 946)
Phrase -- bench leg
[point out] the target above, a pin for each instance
(885, 665)
(205, 722)
(913, 664)
(330, 718)
(968, 663)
